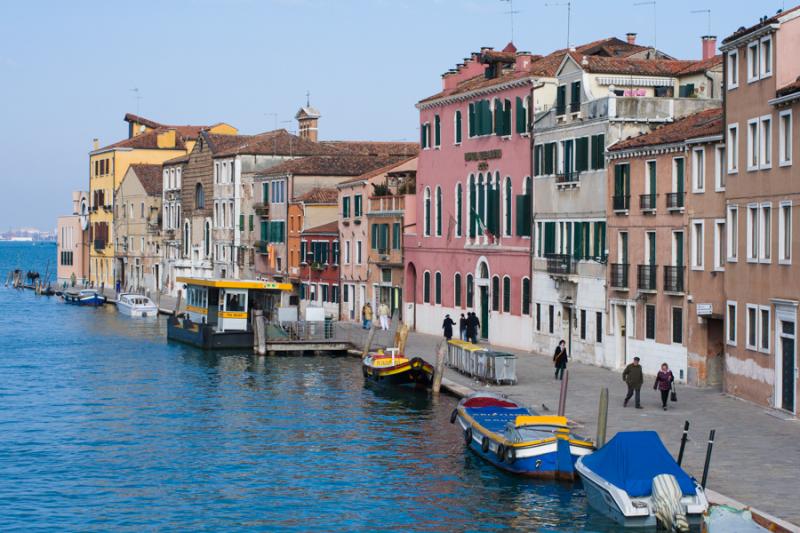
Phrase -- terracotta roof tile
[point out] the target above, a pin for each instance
(744, 31)
(377, 171)
(150, 178)
(277, 142)
(789, 89)
(331, 165)
(642, 67)
(380, 148)
(149, 141)
(319, 195)
(330, 227)
(702, 124)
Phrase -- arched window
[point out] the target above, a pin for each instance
(526, 296)
(207, 239)
(457, 126)
(470, 291)
(459, 191)
(199, 197)
(506, 294)
(437, 286)
(496, 293)
(482, 198)
(427, 211)
(187, 234)
(426, 287)
(457, 290)
(509, 200)
(472, 211)
(438, 211)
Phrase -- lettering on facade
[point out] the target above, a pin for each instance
(482, 156)
(483, 165)
(704, 309)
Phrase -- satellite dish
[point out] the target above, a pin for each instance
(84, 216)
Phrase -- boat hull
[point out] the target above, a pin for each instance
(203, 336)
(413, 373)
(89, 301)
(136, 311)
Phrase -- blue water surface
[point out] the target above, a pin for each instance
(106, 426)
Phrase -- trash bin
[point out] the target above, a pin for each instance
(501, 367)
(329, 327)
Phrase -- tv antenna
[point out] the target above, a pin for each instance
(511, 12)
(708, 13)
(138, 97)
(568, 5)
(274, 118)
(308, 98)
(655, 22)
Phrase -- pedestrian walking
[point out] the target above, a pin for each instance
(632, 375)
(472, 327)
(383, 315)
(366, 316)
(462, 327)
(560, 359)
(447, 326)
(663, 383)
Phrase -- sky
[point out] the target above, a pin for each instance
(68, 69)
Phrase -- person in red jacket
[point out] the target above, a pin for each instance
(663, 383)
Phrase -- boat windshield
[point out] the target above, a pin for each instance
(530, 433)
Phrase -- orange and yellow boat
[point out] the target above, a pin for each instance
(397, 370)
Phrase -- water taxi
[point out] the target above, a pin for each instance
(517, 440)
(136, 305)
(83, 297)
(391, 368)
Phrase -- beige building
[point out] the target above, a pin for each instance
(72, 236)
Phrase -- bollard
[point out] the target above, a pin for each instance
(368, 342)
(439, 369)
(177, 303)
(403, 338)
(684, 438)
(562, 398)
(602, 418)
(708, 457)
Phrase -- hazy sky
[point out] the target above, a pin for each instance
(67, 68)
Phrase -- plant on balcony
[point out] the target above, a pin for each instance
(381, 189)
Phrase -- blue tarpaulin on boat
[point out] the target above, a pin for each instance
(632, 459)
(495, 419)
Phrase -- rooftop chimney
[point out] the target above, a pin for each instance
(95, 144)
(709, 46)
(631, 37)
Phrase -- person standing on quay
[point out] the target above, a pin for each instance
(447, 326)
(663, 383)
(462, 327)
(632, 375)
(383, 314)
(472, 327)
(560, 359)
(366, 316)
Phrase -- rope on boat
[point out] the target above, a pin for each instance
(669, 511)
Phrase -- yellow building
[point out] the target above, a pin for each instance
(148, 142)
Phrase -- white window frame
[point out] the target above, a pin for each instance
(733, 69)
(753, 217)
(765, 233)
(784, 255)
(346, 253)
(732, 234)
(731, 323)
(765, 64)
(747, 325)
(765, 142)
(359, 252)
(698, 259)
(647, 175)
(719, 168)
(753, 150)
(764, 335)
(733, 148)
(753, 70)
(698, 170)
(785, 146)
(719, 240)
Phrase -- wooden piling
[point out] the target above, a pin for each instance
(177, 303)
(602, 418)
(368, 342)
(258, 333)
(439, 368)
(402, 339)
(562, 397)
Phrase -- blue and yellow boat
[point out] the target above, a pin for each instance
(398, 370)
(517, 440)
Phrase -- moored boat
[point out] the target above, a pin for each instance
(83, 297)
(517, 440)
(136, 305)
(395, 369)
(635, 481)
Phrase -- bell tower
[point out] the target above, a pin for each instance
(308, 120)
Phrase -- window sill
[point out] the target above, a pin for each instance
(622, 212)
(752, 260)
(752, 169)
(732, 86)
(698, 191)
(785, 163)
(765, 167)
(765, 261)
(718, 189)
(700, 268)
(785, 262)
(731, 259)
(733, 171)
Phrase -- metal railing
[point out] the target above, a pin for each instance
(99, 245)
(619, 275)
(646, 277)
(647, 201)
(560, 264)
(575, 106)
(568, 176)
(303, 331)
(673, 279)
(675, 200)
(261, 208)
(622, 202)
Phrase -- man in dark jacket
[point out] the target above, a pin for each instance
(462, 327)
(447, 326)
(632, 375)
(472, 327)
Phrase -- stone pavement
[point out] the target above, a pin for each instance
(756, 456)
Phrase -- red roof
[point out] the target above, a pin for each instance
(331, 165)
(789, 89)
(744, 31)
(319, 195)
(276, 142)
(330, 227)
(702, 124)
(377, 171)
(381, 148)
(643, 67)
(149, 141)
(150, 178)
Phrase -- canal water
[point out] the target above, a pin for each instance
(104, 425)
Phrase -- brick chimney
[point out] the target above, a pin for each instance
(709, 46)
(631, 37)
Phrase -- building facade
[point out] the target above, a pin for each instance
(319, 270)
(72, 240)
(171, 247)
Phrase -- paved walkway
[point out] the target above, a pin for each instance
(756, 457)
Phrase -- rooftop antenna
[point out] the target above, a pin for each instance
(655, 21)
(511, 12)
(708, 13)
(308, 98)
(138, 98)
(569, 14)
(274, 118)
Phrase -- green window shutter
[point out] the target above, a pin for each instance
(495, 293)
(422, 136)
(438, 210)
(509, 201)
(264, 234)
(575, 93)
(426, 287)
(523, 215)
(549, 159)
(507, 117)
(250, 223)
(679, 171)
(577, 241)
(384, 236)
(522, 119)
(303, 251)
(438, 287)
(488, 119)
(459, 209)
(457, 291)
(359, 206)
(549, 238)
(561, 99)
(651, 170)
(565, 245)
(241, 222)
(526, 296)
(499, 117)
(437, 131)
(569, 162)
(471, 119)
(619, 180)
(598, 149)
(582, 154)
(396, 236)
(472, 192)
(265, 192)
(506, 295)
(478, 129)
(374, 237)
(346, 207)
(537, 160)
(458, 126)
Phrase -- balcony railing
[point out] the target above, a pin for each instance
(387, 203)
(619, 275)
(560, 264)
(575, 106)
(675, 200)
(622, 202)
(568, 176)
(647, 202)
(646, 277)
(261, 208)
(673, 279)
(261, 247)
(99, 245)
(561, 109)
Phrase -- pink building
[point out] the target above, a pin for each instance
(73, 243)
(470, 250)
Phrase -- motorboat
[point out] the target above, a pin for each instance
(391, 368)
(136, 305)
(90, 297)
(635, 481)
(517, 439)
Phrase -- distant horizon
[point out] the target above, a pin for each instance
(71, 72)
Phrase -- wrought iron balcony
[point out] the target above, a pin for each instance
(647, 202)
(575, 106)
(619, 275)
(99, 245)
(622, 202)
(261, 208)
(561, 109)
(568, 177)
(560, 264)
(261, 247)
(673, 279)
(646, 277)
(675, 200)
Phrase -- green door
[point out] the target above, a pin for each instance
(623, 248)
(678, 248)
(484, 312)
(679, 175)
(651, 252)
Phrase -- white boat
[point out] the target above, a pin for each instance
(635, 481)
(136, 305)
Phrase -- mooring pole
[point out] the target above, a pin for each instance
(439, 370)
(402, 339)
(708, 457)
(562, 398)
(177, 303)
(602, 418)
(368, 343)
(684, 438)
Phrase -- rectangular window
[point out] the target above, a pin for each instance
(396, 243)
(765, 142)
(765, 59)
(730, 323)
(752, 233)
(719, 168)
(437, 131)
(357, 210)
(752, 62)
(650, 322)
(359, 250)
(732, 147)
(785, 141)
(583, 324)
(598, 151)
(424, 135)
(538, 317)
(765, 235)
(598, 324)
(561, 100)
(457, 126)
(733, 233)
(719, 245)
(552, 319)
(752, 144)
(699, 170)
(346, 207)
(733, 69)
(752, 327)
(785, 233)
(763, 328)
(697, 245)
(677, 325)
(346, 252)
